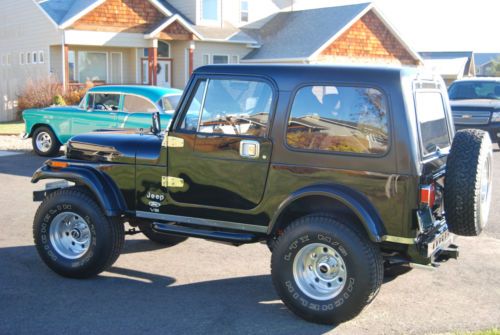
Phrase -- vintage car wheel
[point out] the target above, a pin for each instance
(325, 271)
(468, 182)
(45, 143)
(165, 239)
(73, 236)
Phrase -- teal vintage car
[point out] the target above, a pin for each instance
(103, 107)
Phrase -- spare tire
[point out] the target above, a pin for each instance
(467, 186)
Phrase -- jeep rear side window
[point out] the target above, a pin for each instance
(339, 119)
(433, 126)
(236, 107)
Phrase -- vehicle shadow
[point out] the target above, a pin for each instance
(23, 164)
(129, 301)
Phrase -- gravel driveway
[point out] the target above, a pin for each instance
(200, 287)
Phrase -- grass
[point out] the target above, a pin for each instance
(10, 128)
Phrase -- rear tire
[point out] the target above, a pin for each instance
(45, 142)
(165, 239)
(73, 236)
(468, 182)
(324, 270)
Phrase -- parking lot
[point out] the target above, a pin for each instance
(205, 287)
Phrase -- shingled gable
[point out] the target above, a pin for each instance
(120, 15)
(355, 32)
(173, 28)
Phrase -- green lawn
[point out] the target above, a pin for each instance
(15, 127)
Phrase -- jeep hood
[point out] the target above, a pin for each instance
(119, 146)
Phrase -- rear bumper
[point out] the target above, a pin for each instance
(493, 129)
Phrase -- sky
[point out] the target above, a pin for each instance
(437, 25)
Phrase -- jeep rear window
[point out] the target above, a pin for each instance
(339, 119)
(434, 130)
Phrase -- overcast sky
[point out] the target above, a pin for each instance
(438, 25)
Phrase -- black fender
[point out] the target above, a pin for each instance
(354, 200)
(101, 186)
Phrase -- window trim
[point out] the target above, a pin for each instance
(210, 21)
(340, 153)
(220, 54)
(244, 11)
(175, 125)
(41, 60)
(433, 154)
(77, 61)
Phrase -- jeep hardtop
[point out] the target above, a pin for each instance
(341, 170)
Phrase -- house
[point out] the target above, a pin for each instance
(485, 63)
(450, 65)
(161, 42)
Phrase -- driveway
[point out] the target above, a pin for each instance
(201, 287)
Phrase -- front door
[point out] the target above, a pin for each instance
(223, 157)
(164, 73)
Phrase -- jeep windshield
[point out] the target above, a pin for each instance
(465, 90)
(434, 131)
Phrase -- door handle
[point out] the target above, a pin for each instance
(249, 149)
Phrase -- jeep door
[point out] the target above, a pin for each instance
(219, 148)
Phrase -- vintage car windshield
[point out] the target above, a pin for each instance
(169, 102)
(475, 90)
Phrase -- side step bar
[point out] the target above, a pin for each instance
(236, 238)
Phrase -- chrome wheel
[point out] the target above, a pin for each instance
(485, 189)
(43, 141)
(70, 235)
(319, 271)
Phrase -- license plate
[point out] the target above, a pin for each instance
(441, 240)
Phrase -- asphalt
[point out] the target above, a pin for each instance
(201, 287)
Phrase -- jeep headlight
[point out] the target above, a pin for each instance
(495, 117)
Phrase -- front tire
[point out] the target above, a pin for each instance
(73, 236)
(324, 270)
(45, 142)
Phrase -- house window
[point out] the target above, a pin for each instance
(71, 65)
(22, 58)
(40, 57)
(235, 59)
(9, 59)
(244, 10)
(28, 58)
(210, 10)
(35, 58)
(220, 59)
(163, 49)
(92, 66)
(206, 59)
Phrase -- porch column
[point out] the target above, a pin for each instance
(65, 74)
(191, 57)
(152, 65)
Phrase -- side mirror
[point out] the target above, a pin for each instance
(156, 125)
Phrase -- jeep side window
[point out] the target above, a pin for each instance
(192, 116)
(236, 107)
(339, 119)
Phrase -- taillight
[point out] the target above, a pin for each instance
(427, 195)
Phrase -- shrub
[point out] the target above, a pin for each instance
(39, 93)
(48, 91)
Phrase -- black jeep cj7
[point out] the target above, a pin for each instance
(341, 170)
